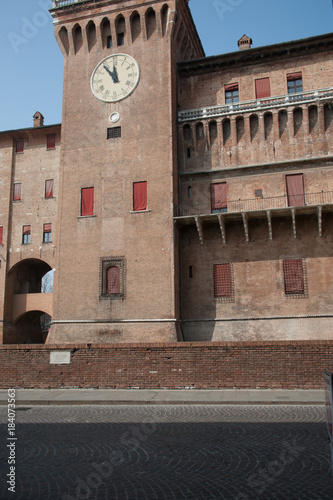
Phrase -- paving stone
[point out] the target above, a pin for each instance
(171, 452)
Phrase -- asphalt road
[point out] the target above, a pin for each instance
(166, 452)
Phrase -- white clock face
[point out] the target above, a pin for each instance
(115, 78)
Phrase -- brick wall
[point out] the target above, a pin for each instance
(286, 365)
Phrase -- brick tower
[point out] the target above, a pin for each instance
(116, 273)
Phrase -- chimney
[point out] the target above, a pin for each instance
(245, 42)
(38, 119)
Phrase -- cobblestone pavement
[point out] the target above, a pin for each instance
(168, 452)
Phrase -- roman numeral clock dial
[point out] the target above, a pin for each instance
(115, 78)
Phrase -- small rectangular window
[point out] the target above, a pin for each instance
(1, 235)
(47, 233)
(26, 235)
(87, 201)
(295, 190)
(293, 277)
(50, 141)
(295, 83)
(262, 88)
(121, 39)
(190, 272)
(114, 132)
(49, 188)
(17, 191)
(231, 93)
(139, 196)
(222, 281)
(19, 146)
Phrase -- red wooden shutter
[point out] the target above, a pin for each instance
(293, 276)
(295, 190)
(262, 88)
(87, 201)
(19, 146)
(17, 191)
(113, 280)
(1, 235)
(49, 188)
(47, 228)
(26, 229)
(218, 193)
(50, 141)
(139, 196)
(222, 281)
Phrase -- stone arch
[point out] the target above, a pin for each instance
(106, 33)
(268, 124)
(120, 30)
(63, 37)
(135, 22)
(313, 118)
(164, 18)
(298, 120)
(77, 38)
(254, 126)
(150, 22)
(91, 35)
(24, 296)
(226, 127)
(32, 327)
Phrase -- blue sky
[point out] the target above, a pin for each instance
(32, 64)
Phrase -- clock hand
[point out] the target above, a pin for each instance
(115, 74)
(112, 74)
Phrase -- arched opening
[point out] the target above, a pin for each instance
(28, 306)
(121, 30)
(239, 128)
(135, 26)
(199, 130)
(63, 35)
(298, 120)
(106, 34)
(212, 131)
(77, 38)
(283, 122)
(32, 328)
(328, 115)
(226, 130)
(313, 118)
(91, 35)
(268, 123)
(164, 18)
(150, 22)
(254, 126)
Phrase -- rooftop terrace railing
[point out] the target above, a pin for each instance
(56, 4)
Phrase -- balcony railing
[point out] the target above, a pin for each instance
(257, 204)
(56, 4)
(256, 105)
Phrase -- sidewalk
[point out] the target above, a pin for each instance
(163, 396)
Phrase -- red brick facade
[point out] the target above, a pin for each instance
(244, 125)
(250, 365)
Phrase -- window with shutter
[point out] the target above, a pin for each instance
(19, 146)
(17, 191)
(87, 201)
(218, 196)
(113, 280)
(293, 272)
(295, 190)
(47, 233)
(231, 93)
(295, 83)
(26, 235)
(139, 196)
(262, 88)
(223, 281)
(49, 188)
(50, 141)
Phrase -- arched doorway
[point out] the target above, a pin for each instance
(28, 302)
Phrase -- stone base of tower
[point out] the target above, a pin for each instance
(116, 332)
